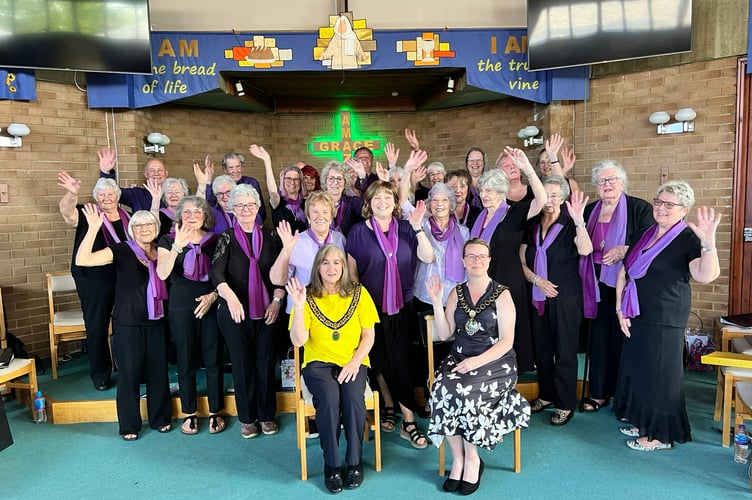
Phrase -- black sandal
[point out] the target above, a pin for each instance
(388, 420)
(216, 423)
(413, 435)
(192, 421)
(594, 405)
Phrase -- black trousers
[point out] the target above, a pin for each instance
(196, 339)
(251, 346)
(142, 350)
(335, 403)
(390, 354)
(97, 299)
(555, 336)
(606, 341)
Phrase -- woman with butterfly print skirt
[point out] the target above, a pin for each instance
(473, 400)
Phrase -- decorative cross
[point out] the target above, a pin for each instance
(342, 147)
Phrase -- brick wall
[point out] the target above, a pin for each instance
(612, 124)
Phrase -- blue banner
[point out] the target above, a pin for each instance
(187, 64)
(18, 84)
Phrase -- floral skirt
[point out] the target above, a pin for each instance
(481, 406)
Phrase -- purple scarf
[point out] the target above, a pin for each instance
(110, 235)
(223, 219)
(391, 298)
(156, 290)
(615, 236)
(196, 264)
(258, 297)
(337, 221)
(327, 240)
(465, 213)
(453, 269)
(294, 206)
(486, 233)
(541, 260)
(638, 262)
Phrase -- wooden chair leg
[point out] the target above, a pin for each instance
(728, 389)
(301, 441)
(718, 394)
(377, 430)
(53, 353)
(442, 458)
(517, 450)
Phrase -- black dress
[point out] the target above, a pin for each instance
(505, 268)
(650, 392)
(482, 405)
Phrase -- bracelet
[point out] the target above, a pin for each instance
(418, 231)
(277, 299)
(618, 310)
(535, 281)
(707, 249)
(555, 161)
(178, 250)
(580, 225)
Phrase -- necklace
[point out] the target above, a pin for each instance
(472, 326)
(335, 325)
(603, 234)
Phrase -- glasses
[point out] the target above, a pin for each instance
(554, 196)
(292, 179)
(239, 207)
(481, 258)
(141, 227)
(669, 205)
(188, 212)
(222, 194)
(608, 180)
(337, 180)
(363, 158)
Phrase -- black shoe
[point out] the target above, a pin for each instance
(334, 482)
(102, 385)
(451, 485)
(466, 488)
(354, 476)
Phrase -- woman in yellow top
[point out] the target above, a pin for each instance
(334, 320)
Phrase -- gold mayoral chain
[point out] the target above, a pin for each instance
(335, 325)
(472, 326)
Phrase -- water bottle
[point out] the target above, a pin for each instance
(40, 409)
(741, 445)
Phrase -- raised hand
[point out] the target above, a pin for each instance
(412, 139)
(357, 167)
(296, 292)
(209, 166)
(416, 216)
(435, 287)
(259, 152)
(417, 158)
(67, 182)
(392, 155)
(93, 217)
(520, 160)
(576, 206)
(154, 187)
(284, 231)
(567, 159)
(706, 226)
(382, 172)
(418, 174)
(183, 234)
(553, 144)
(106, 159)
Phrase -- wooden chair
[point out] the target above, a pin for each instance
(728, 378)
(18, 368)
(65, 326)
(304, 408)
(432, 337)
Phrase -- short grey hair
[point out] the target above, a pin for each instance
(557, 180)
(104, 184)
(680, 189)
(334, 165)
(174, 180)
(232, 156)
(442, 189)
(140, 217)
(436, 166)
(243, 190)
(603, 164)
(396, 170)
(222, 179)
(496, 180)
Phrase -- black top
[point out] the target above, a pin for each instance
(505, 267)
(283, 213)
(639, 218)
(130, 293)
(664, 293)
(529, 196)
(165, 225)
(466, 345)
(230, 263)
(98, 272)
(183, 292)
(563, 259)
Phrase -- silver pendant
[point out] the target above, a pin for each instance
(603, 244)
(472, 327)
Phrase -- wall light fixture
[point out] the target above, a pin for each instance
(15, 131)
(531, 136)
(685, 121)
(155, 143)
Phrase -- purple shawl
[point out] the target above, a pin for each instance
(327, 240)
(156, 290)
(637, 263)
(196, 264)
(391, 299)
(258, 298)
(110, 235)
(541, 261)
(453, 269)
(294, 206)
(486, 233)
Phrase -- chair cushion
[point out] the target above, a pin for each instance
(16, 368)
(744, 390)
(742, 345)
(737, 372)
(68, 318)
(308, 397)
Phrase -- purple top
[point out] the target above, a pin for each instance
(260, 216)
(348, 213)
(138, 198)
(362, 246)
(362, 184)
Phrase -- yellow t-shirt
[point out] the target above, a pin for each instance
(321, 345)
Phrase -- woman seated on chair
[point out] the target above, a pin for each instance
(334, 319)
(139, 339)
(473, 399)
